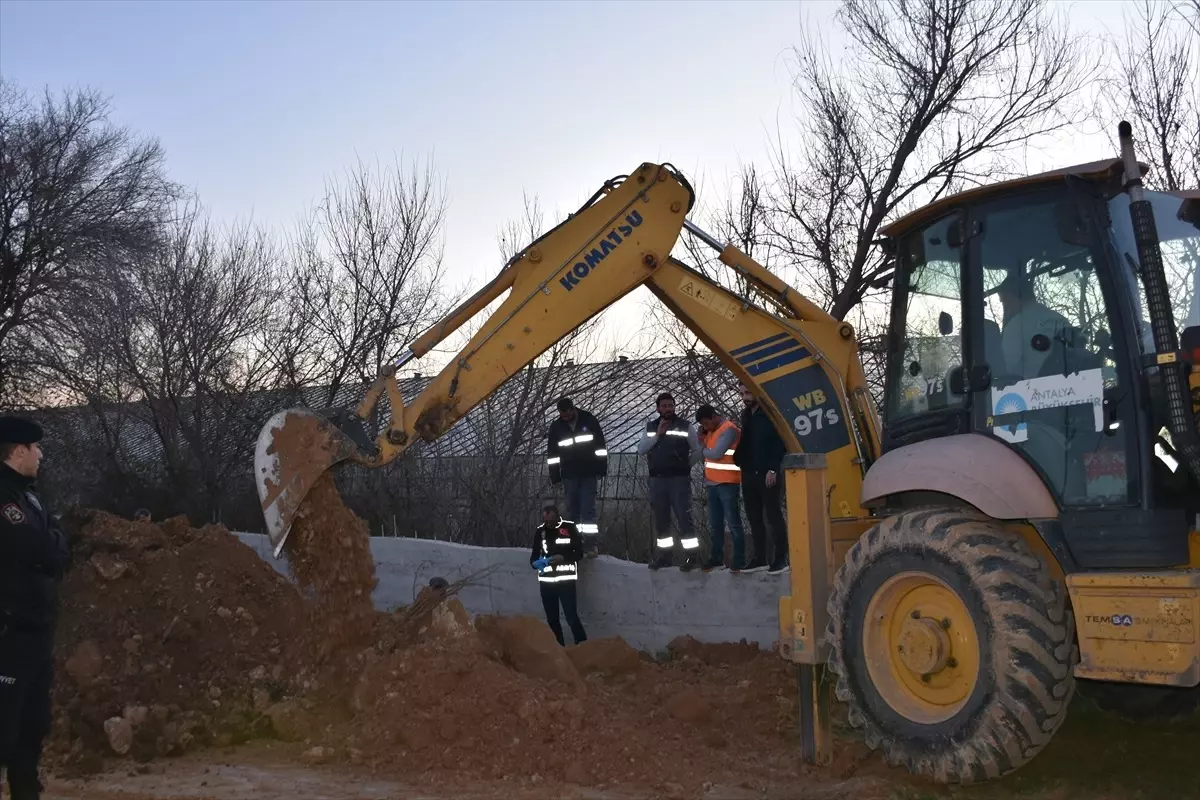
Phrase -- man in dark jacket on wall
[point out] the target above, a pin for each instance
(578, 458)
(760, 455)
(33, 555)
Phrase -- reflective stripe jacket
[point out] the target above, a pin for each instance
(673, 453)
(719, 447)
(576, 452)
(561, 539)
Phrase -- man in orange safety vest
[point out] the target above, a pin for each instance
(722, 479)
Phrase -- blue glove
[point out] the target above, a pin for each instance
(541, 563)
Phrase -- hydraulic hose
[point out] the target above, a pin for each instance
(1180, 419)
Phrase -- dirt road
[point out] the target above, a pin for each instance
(270, 772)
(1095, 757)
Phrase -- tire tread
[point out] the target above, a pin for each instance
(1033, 644)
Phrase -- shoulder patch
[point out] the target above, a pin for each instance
(13, 513)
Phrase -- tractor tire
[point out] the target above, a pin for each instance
(951, 644)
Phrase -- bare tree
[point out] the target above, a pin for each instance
(163, 349)
(365, 276)
(931, 96)
(1189, 11)
(1156, 90)
(740, 219)
(76, 193)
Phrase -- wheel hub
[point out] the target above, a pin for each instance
(924, 646)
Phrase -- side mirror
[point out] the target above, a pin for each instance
(945, 324)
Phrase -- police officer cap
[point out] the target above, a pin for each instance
(19, 430)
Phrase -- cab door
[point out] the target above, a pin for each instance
(1054, 376)
(1056, 387)
(926, 397)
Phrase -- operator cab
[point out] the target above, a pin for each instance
(1017, 314)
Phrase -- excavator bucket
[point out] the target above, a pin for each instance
(294, 450)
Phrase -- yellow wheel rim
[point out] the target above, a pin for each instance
(921, 647)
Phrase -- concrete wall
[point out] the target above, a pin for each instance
(648, 609)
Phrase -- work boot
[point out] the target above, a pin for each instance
(755, 565)
(690, 562)
(664, 558)
(26, 790)
(712, 562)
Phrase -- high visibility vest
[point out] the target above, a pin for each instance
(722, 469)
(559, 545)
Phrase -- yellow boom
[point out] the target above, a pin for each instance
(801, 363)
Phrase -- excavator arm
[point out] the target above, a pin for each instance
(801, 363)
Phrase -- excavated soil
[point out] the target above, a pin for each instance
(169, 636)
(175, 638)
(502, 701)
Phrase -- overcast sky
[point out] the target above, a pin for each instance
(257, 103)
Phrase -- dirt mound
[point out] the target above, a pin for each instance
(713, 653)
(529, 647)
(499, 698)
(609, 657)
(458, 701)
(169, 636)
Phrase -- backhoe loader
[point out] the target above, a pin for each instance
(1016, 519)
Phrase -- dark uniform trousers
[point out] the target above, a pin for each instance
(26, 678)
(564, 594)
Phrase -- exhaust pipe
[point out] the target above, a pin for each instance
(1181, 420)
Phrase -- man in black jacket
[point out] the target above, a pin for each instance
(33, 555)
(760, 455)
(578, 458)
(557, 549)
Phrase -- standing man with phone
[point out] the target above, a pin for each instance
(671, 448)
